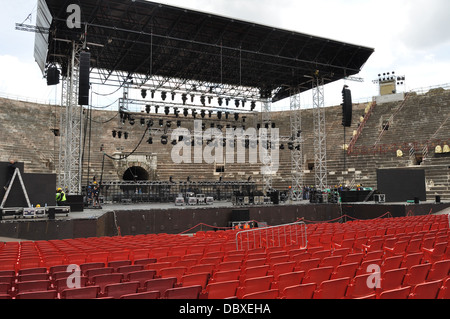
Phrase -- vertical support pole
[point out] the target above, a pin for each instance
(320, 138)
(267, 123)
(70, 159)
(297, 163)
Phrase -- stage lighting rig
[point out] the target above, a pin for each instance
(186, 112)
(156, 109)
(147, 109)
(203, 100)
(253, 105)
(184, 98)
(167, 110)
(163, 95)
(236, 103)
(144, 93)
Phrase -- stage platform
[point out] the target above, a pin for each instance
(135, 219)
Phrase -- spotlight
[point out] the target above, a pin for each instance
(173, 96)
(119, 134)
(142, 121)
(161, 123)
(147, 109)
(236, 116)
(210, 99)
(163, 96)
(174, 142)
(132, 121)
(167, 110)
(253, 105)
(144, 93)
(156, 109)
(186, 112)
(169, 124)
(203, 114)
(184, 98)
(150, 141)
(236, 103)
(164, 140)
(192, 98)
(227, 101)
(194, 113)
(227, 114)
(210, 113)
(114, 133)
(125, 135)
(178, 123)
(176, 112)
(203, 100)
(219, 115)
(153, 94)
(220, 101)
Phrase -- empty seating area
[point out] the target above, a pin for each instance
(406, 257)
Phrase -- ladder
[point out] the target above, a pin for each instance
(5, 198)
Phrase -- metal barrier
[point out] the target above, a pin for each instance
(277, 236)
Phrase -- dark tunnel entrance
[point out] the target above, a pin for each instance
(136, 174)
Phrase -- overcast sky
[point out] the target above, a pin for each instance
(410, 37)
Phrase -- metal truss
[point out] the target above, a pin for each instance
(267, 156)
(320, 137)
(71, 127)
(297, 163)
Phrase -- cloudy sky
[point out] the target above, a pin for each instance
(410, 37)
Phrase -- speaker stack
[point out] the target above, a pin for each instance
(52, 76)
(347, 107)
(84, 83)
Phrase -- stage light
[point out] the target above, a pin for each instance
(203, 114)
(236, 103)
(186, 112)
(236, 116)
(132, 122)
(227, 114)
(156, 109)
(164, 140)
(209, 99)
(119, 134)
(178, 124)
(144, 93)
(192, 98)
(243, 103)
(169, 124)
(184, 98)
(173, 96)
(150, 141)
(153, 94)
(273, 125)
(147, 109)
(167, 110)
(174, 142)
(282, 147)
(114, 133)
(125, 135)
(227, 102)
(142, 121)
(220, 100)
(219, 115)
(161, 123)
(176, 112)
(194, 113)
(210, 113)
(203, 100)
(163, 96)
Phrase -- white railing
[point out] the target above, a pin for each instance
(277, 236)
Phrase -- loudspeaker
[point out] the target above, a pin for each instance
(84, 83)
(347, 107)
(51, 213)
(438, 199)
(52, 76)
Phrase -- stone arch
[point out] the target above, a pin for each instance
(136, 173)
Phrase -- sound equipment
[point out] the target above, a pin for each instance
(438, 199)
(84, 83)
(51, 213)
(52, 76)
(347, 107)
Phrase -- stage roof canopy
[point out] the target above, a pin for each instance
(153, 39)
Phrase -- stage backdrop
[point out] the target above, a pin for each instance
(402, 184)
(41, 188)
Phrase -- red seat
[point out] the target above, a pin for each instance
(222, 290)
(118, 263)
(160, 285)
(61, 284)
(416, 275)
(358, 287)
(147, 295)
(263, 295)
(201, 279)
(282, 268)
(33, 277)
(411, 260)
(118, 290)
(98, 271)
(287, 280)
(222, 276)
(90, 292)
(393, 279)
(201, 269)
(345, 270)
(87, 266)
(50, 294)
(439, 270)
(253, 285)
(444, 292)
(399, 248)
(125, 270)
(254, 272)
(176, 272)
(318, 275)
(32, 286)
(400, 293)
(305, 291)
(427, 290)
(436, 253)
(332, 289)
(183, 293)
(332, 261)
(103, 280)
(141, 276)
(391, 263)
(306, 265)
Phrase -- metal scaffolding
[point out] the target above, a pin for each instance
(71, 126)
(267, 156)
(320, 137)
(297, 163)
